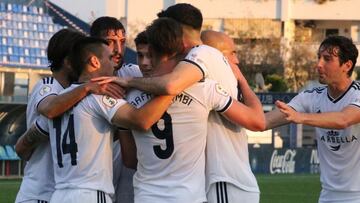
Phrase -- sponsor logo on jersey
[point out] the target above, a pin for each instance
(334, 139)
(283, 163)
(183, 98)
(109, 101)
(141, 99)
(219, 89)
(44, 90)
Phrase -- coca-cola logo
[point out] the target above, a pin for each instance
(283, 163)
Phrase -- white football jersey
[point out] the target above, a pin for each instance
(45, 87)
(171, 156)
(129, 70)
(227, 155)
(81, 143)
(38, 181)
(338, 150)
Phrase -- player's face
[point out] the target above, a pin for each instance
(161, 64)
(143, 59)
(116, 40)
(230, 53)
(233, 60)
(107, 64)
(328, 66)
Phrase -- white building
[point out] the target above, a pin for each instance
(328, 17)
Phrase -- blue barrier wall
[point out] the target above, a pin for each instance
(12, 126)
(272, 161)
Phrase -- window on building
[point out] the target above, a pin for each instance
(330, 32)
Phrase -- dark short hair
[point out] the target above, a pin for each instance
(141, 38)
(59, 47)
(165, 36)
(83, 48)
(347, 49)
(185, 14)
(105, 24)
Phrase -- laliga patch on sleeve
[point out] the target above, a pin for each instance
(109, 101)
(45, 90)
(219, 89)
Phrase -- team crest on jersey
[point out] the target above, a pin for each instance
(109, 101)
(221, 90)
(45, 90)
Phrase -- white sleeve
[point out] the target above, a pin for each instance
(302, 102)
(129, 70)
(217, 97)
(198, 56)
(41, 124)
(356, 100)
(106, 106)
(44, 90)
(138, 98)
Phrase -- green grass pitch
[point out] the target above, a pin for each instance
(288, 188)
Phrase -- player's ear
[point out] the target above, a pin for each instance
(94, 62)
(348, 64)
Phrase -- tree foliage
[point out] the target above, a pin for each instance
(294, 61)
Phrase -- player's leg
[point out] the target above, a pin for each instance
(80, 195)
(223, 192)
(125, 189)
(117, 168)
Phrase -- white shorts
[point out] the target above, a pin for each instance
(79, 195)
(327, 196)
(223, 192)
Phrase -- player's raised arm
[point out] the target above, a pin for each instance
(249, 117)
(144, 117)
(183, 75)
(55, 105)
(248, 114)
(348, 116)
(275, 118)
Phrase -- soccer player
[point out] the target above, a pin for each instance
(113, 31)
(81, 140)
(144, 62)
(228, 174)
(201, 62)
(142, 54)
(171, 157)
(38, 181)
(334, 110)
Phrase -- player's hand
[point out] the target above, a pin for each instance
(123, 82)
(291, 114)
(110, 89)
